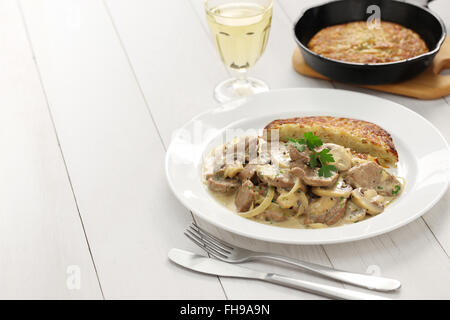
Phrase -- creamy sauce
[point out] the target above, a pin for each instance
(227, 200)
(282, 158)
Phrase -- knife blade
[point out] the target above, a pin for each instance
(203, 264)
(210, 266)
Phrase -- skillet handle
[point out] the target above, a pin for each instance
(442, 59)
(422, 3)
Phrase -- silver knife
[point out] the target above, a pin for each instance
(206, 265)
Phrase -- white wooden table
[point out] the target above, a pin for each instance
(90, 92)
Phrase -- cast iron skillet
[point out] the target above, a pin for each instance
(415, 17)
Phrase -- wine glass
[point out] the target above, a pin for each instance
(241, 30)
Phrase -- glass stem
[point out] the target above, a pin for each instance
(241, 77)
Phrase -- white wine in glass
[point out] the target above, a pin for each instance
(241, 30)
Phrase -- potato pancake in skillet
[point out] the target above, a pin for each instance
(359, 43)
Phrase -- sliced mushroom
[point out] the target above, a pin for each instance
(365, 200)
(325, 210)
(302, 204)
(288, 199)
(311, 176)
(342, 156)
(339, 189)
(231, 170)
(353, 213)
(322, 204)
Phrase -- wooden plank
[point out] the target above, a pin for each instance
(438, 219)
(113, 151)
(42, 243)
(176, 66)
(410, 254)
(193, 82)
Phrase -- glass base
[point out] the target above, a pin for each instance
(237, 88)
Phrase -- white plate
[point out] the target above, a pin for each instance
(424, 159)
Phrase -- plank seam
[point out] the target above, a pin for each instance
(147, 105)
(206, 32)
(193, 217)
(41, 83)
(116, 31)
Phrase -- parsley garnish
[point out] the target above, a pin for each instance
(300, 144)
(325, 171)
(316, 159)
(312, 141)
(313, 160)
(396, 189)
(325, 156)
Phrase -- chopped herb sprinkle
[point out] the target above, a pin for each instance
(396, 189)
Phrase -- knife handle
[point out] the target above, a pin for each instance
(321, 289)
(362, 280)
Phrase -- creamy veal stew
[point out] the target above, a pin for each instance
(302, 183)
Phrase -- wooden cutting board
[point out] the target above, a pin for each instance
(427, 85)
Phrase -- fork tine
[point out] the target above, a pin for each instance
(205, 241)
(205, 247)
(217, 256)
(212, 237)
(198, 243)
(206, 238)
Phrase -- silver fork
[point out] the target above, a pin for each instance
(233, 254)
